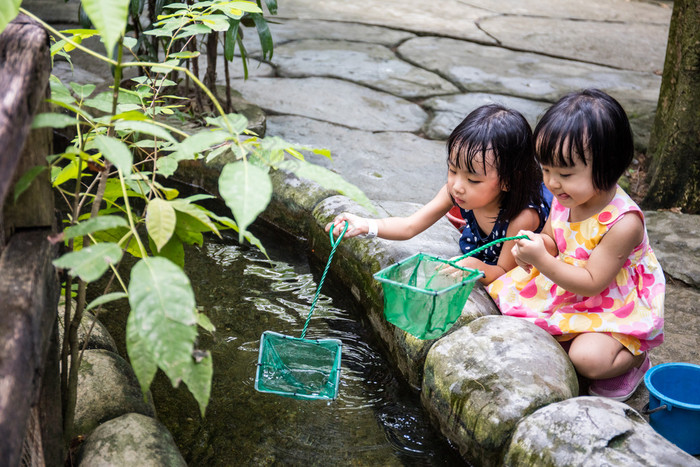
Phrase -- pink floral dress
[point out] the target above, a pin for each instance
(630, 310)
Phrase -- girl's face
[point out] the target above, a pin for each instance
(480, 189)
(573, 188)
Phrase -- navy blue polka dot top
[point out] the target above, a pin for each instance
(472, 236)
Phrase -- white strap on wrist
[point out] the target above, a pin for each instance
(372, 228)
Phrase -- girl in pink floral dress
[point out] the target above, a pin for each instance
(591, 278)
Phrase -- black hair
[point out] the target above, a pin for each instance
(590, 126)
(507, 134)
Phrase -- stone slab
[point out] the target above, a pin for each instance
(449, 111)
(334, 101)
(372, 65)
(385, 165)
(406, 15)
(480, 68)
(630, 46)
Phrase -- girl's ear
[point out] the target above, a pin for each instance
(505, 187)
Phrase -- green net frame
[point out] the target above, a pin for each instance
(298, 368)
(421, 300)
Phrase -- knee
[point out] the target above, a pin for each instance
(589, 364)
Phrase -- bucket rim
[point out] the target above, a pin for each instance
(662, 397)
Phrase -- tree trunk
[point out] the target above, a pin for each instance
(674, 144)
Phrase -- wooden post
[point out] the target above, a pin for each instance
(24, 73)
(30, 410)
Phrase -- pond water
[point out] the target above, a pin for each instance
(376, 419)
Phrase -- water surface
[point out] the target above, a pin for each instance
(376, 419)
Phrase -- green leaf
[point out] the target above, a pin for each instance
(264, 34)
(189, 230)
(195, 211)
(91, 262)
(235, 8)
(69, 172)
(218, 23)
(106, 298)
(173, 250)
(82, 90)
(193, 30)
(109, 18)
(166, 67)
(198, 143)
(144, 127)
(162, 328)
(327, 179)
(230, 39)
(26, 180)
(118, 235)
(166, 166)
(116, 152)
(94, 225)
(160, 221)
(184, 55)
(54, 120)
(204, 322)
(8, 10)
(271, 6)
(247, 190)
(237, 122)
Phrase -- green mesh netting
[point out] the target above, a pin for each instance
(298, 368)
(422, 301)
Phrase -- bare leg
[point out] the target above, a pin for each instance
(599, 356)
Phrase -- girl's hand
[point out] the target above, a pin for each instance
(357, 225)
(526, 252)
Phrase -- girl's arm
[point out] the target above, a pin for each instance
(397, 228)
(606, 259)
(528, 219)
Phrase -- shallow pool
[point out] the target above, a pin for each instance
(376, 419)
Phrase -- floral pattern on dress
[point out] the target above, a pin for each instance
(630, 309)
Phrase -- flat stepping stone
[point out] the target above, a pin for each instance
(361, 157)
(480, 68)
(334, 101)
(372, 65)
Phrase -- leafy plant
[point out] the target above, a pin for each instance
(126, 145)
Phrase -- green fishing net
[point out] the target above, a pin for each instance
(298, 368)
(421, 300)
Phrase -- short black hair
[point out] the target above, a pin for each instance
(508, 135)
(587, 125)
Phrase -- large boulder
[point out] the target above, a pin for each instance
(107, 388)
(591, 431)
(480, 380)
(92, 334)
(131, 439)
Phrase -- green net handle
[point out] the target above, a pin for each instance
(334, 245)
(483, 247)
(453, 262)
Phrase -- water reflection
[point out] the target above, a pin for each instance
(376, 420)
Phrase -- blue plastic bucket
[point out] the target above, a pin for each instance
(674, 403)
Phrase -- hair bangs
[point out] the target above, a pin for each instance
(561, 142)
